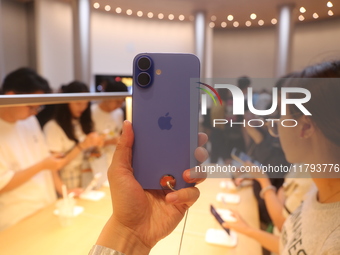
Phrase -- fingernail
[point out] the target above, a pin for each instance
(172, 197)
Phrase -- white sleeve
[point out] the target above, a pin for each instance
(5, 174)
(54, 136)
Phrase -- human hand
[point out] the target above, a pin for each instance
(142, 217)
(54, 162)
(92, 139)
(240, 225)
(255, 174)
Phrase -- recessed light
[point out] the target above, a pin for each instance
(213, 18)
(330, 4)
(118, 10)
(253, 16)
(181, 17)
(301, 18)
(129, 12)
(150, 15)
(236, 24)
(248, 23)
(107, 8)
(160, 15)
(302, 9)
(315, 15)
(261, 22)
(224, 24)
(212, 24)
(171, 16)
(96, 5)
(330, 13)
(230, 17)
(274, 21)
(139, 13)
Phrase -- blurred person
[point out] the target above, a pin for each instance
(72, 131)
(141, 217)
(108, 118)
(26, 183)
(314, 227)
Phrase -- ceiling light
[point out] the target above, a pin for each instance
(261, 22)
(96, 5)
(171, 16)
(274, 21)
(128, 11)
(160, 15)
(248, 23)
(329, 4)
(302, 9)
(301, 18)
(330, 13)
(139, 13)
(315, 15)
(253, 16)
(236, 24)
(181, 17)
(107, 8)
(224, 24)
(118, 10)
(230, 17)
(213, 18)
(150, 15)
(212, 24)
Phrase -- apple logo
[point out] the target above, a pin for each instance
(164, 122)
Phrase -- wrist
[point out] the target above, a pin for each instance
(267, 189)
(118, 237)
(80, 146)
(264, 182)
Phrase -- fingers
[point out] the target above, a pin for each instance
(186, 196)
(201, 154)
(202, 139)
(191, 176)
(123, 153)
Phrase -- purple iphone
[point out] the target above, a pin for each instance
(164, 118)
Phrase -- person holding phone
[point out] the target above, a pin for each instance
(72, 131)
(314, 227)
(141, 217)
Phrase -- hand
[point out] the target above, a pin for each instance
(142, 217)
(239, 225)
(92, 139)
(257, 175)
(54, 162)
(112, 141)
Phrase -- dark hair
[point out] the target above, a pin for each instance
(63, 114)
(243, 82)
(324, 104)
(115, 86)
(25, 81)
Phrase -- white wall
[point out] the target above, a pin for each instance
(54, 41)
(252, 51)
(14, 35)
(117, 39)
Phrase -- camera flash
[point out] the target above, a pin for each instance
(158, 71)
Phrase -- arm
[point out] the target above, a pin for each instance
(20, 177)
(142, 217)
(274, 204)
(267, 240)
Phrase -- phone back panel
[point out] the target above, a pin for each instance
(165, 119)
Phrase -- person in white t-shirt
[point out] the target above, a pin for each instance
(71, 130)
(108, 118)
(26, 183)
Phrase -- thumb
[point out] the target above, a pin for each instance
(123, 153)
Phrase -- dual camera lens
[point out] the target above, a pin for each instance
(144, 65)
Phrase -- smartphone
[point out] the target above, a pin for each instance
(218, 218)
(165, 106)
(242, 157)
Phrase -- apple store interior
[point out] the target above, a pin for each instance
(70, 78)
